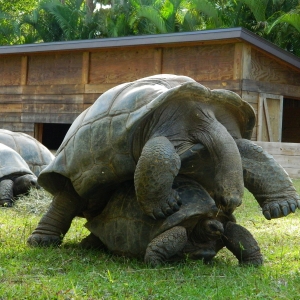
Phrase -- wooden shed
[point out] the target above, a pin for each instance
(44, 87)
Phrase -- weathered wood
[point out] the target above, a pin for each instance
(202, 63)
(23, 127)
(288, 90)
(122, 65)
(55, 68)
(61, 118)
(58, 89)
(8, 98)
(98, 88)
(24, 67)
(85, 67)
(11, 117)
(11, 89)
(40, 98)
(90, 98)
(233, 85)
(10, 107)
(262, 64)
(38, 131)
(10, 70)
(46, 108)
(242, 61)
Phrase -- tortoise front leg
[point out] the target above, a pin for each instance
(6, 192)
(267, 181)
(154, 175)
(165, 245)
(55, 223)
(242, 244)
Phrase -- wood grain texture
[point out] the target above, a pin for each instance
(10, 70)
(60, 68)
(202, 63)
(271, 88)
(264, 68)
(117, 66)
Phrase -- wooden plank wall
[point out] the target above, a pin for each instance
(286, 154)
(56, 87)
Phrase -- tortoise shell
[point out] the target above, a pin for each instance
(97, 152)
(36, 155)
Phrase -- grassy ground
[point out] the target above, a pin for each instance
(69, 272)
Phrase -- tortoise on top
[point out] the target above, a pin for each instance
(150, 130)
(36, 155)
(197, 231)
(15, 176)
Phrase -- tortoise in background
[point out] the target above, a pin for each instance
(15, 176)
(150, 130)
(197, 231)
(36, 155)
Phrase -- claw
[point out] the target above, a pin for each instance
(169, 211)
(267, 215)
(275, 212)
(293, 207)
(285, 210)
(175, 207)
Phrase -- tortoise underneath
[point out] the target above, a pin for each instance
(197, 231)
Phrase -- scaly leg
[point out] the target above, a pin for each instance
(154, 175)
(57, 220)
(6, 193)
(165, 245)
(242, 244)
(267, 181)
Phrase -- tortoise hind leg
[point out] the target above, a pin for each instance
(242, 244)
(6, 192)
(55, 223)
(165, 245)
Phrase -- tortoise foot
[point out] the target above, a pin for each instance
(280, 208)
(166, 208)
(92, 242)
(256, 261)
(6, 203)
(44, 240)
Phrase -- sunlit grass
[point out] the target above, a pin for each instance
(69, 272)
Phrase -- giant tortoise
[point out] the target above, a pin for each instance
(15, 176)
(36, 155)
(150, 130)
(197, 231)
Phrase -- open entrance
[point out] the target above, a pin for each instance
(291, 121)
(51, 135)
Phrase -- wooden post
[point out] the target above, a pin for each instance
(242, 61)
(85, 67)
(24, 72)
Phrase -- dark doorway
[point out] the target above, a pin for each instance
(291, 121)
(53, 134)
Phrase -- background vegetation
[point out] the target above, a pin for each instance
(32, 21)
(69, 272)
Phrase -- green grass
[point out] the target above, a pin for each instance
(69, 272)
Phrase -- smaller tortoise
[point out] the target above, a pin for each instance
(198, 230)
(15, 176)
(36, 155)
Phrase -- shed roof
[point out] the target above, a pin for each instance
(235, 34)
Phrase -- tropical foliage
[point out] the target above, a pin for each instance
(31, 21)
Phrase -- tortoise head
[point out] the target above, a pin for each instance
(207, 230)
(23, 184)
